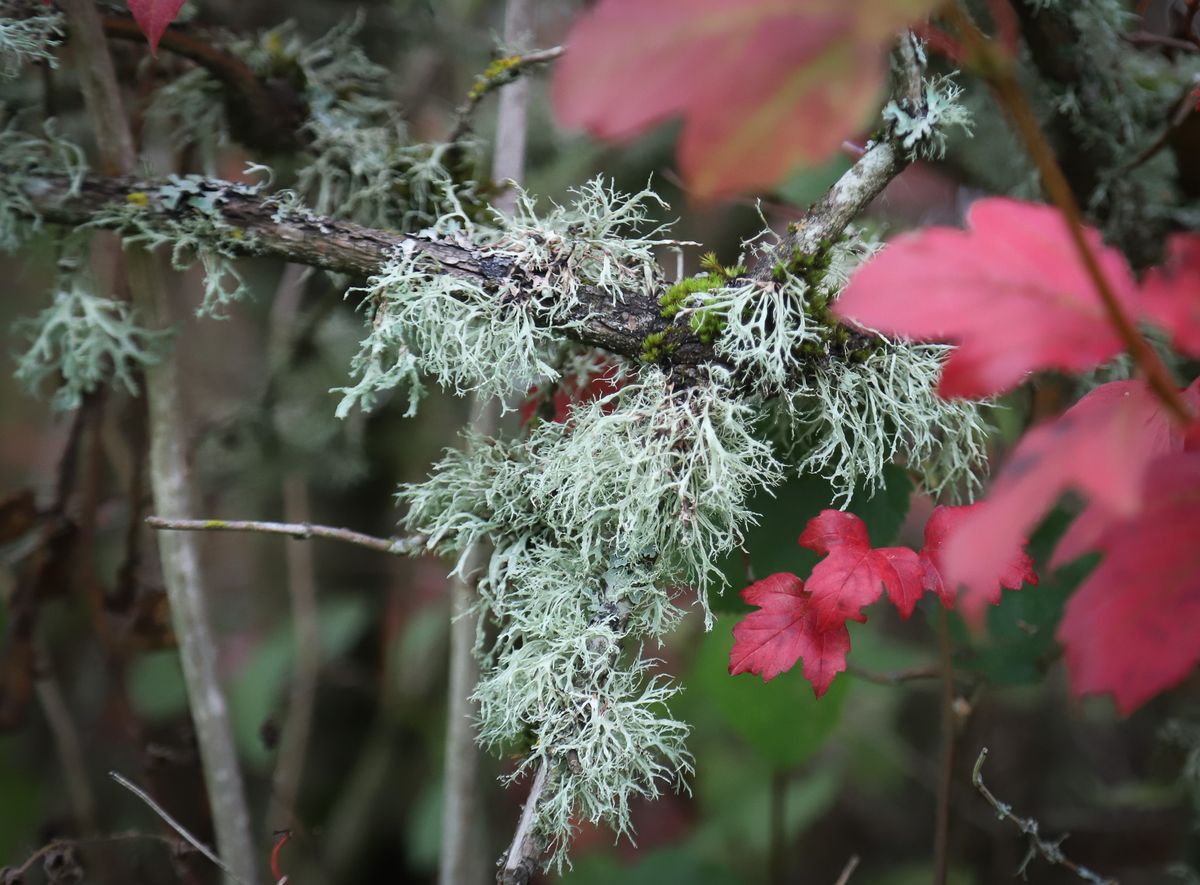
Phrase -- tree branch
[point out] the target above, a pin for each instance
(299, 531)
(169, 473)
(619, 325)
(527, 846)
(1050, 850)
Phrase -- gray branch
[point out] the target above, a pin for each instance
(620, 326)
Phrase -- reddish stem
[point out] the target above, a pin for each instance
(996, 67)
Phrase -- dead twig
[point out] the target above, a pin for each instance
(1050, 850)
(300, 531)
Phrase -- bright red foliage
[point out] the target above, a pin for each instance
(154, 17)
(1010, 291)
(1099, 447)
(853, 575)
(1172, 293)
(1015, 569)
(782, 631)
(1133, 628)
(808, 76)
(809, 622)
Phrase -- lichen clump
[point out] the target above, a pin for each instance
(85, 341)
(606, 525)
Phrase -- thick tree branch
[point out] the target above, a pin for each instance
(620, 326)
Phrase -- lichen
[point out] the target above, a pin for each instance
(924, 134)
(194, 229)
(496, 338)
(26, 157)
(83, 341)
(595, 523)
(29, 32)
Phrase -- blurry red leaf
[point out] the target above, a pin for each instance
(1010, 291)
(763, 85)
(1099, 447)
(572, 390)
(1133, 627)
(771, 640)
(154, 17)
(1171, 294)
(853, 575)
(1015, 569)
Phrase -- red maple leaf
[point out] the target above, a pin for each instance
(796, 621)
(763, 85)
(1133, 627)
(1016, 569)
(783, 630)
(1171, 294)
(1099, 447)
(154, 17)
(853, 574)
(1010, 291)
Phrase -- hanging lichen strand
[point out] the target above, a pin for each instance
(605, 524)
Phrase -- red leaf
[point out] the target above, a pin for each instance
(1133, 628)
(1016, 569)
(1099, 447)
(853, 575)
(763, 85)
(154, 17)
(1010, 291)
(572, 390)
(771, 640)
(1172, 293)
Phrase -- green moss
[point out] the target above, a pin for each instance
(674, 299)
(707, 324)
(657, 346)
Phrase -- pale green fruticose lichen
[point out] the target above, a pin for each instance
(923, 134)
(358, 162)
(843, 410)
(85, 341)
(25, 158)
(28, 35)
(195, 231)
(498, 339)
(595, 523)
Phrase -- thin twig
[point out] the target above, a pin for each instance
(1145, 38)
(68, 745)
(16, 873)
(526, 847)
(299, 531)
(173, 824)
(1049, 850)
(995, 66)
(941, 834)
(848, 870)
(169, 470)
(895, 677)
(499, 73)
(301, 577)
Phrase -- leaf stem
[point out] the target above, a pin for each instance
(995, 65)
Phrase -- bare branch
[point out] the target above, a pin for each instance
(1049, 850)
(174, 824)
(527, 846)
(300, 531)
(499, 73)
